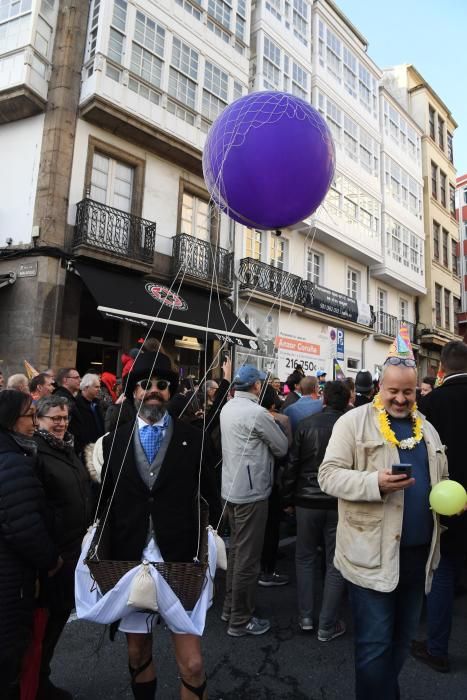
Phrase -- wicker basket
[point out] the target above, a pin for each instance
(186, 579)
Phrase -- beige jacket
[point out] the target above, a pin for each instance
(370, 525)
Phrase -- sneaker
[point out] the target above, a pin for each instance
(420, 652)
(338, 630)
(225, 617)
(306, 624)
(255, 627)
(48, 691)
(273, 579)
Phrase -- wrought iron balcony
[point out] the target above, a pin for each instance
(386, 324)
(114, 231)
(271, 280)
(389, 325)
(411, 328)
(200, 259)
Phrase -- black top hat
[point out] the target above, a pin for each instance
(151, 364)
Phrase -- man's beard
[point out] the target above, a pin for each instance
(152, 413)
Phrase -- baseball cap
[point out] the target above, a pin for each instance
(363, 382)
(321, 373)
(247, 375)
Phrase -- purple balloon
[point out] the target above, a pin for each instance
(269, 160)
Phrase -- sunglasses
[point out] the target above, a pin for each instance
(407, 362)
(161, 384)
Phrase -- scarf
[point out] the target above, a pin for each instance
(54, 442)
(26, 443)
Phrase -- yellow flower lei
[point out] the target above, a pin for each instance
(388, 433)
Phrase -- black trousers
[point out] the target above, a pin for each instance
(271, 535)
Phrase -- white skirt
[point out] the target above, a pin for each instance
(105, 609)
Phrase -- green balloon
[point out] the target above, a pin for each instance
(448, 497)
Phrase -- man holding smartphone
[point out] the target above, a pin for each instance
(380, 463)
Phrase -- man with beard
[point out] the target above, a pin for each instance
(150, 478)
(380, 462)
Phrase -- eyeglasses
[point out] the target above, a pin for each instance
(31, 415)
(160, 384)
(56, 420)
(72, 376)
(407, 362)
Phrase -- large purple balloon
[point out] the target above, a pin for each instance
(269, 160)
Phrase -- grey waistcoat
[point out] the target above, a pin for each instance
(150, 472)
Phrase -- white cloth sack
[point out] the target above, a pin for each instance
(105, 609)
(221, 559)
(143, 590)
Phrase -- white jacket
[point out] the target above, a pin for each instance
(370, 525)
(250, 440)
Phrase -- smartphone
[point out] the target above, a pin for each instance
(402, 469)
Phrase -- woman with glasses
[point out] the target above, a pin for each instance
(25, 546)
(68, 493)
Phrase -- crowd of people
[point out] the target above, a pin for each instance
(318, 453)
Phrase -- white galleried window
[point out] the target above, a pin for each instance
(148, 50)
(253, 244)
(111, 182)
(196, 217)
(353, 283)
(183, 74)
(216, 83)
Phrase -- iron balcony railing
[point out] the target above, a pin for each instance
(411, 328)
(114, 231)
(389, 325)
(272, 280)
(200, 259)
(386, 324)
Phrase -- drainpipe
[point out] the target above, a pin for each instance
(364, 339)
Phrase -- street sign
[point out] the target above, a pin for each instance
(28, 269)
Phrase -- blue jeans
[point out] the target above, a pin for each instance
(440, 600)
(385, 624)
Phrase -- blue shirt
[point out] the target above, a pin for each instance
(417, 525)
(304, 407)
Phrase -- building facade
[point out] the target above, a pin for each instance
(438, 310)
(114, 201)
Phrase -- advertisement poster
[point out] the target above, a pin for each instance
(293, 351)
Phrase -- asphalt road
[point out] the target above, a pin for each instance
(284, 664)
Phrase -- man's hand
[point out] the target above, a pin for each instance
(388, 483)
(227, 368)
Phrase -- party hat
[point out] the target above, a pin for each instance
(439, 377)
(338, 371)
(30, 371)
(401, 345)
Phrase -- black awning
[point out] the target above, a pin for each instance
(185, 311)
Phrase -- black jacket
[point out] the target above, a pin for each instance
(172, 502)
(25, 546)
(86, 425)
(67, 487)
(299, 479)
(63, 391)
(290, 398)
(361, 400)
(446, 409)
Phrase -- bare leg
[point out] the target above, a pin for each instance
(189, 660)
(139, 653)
